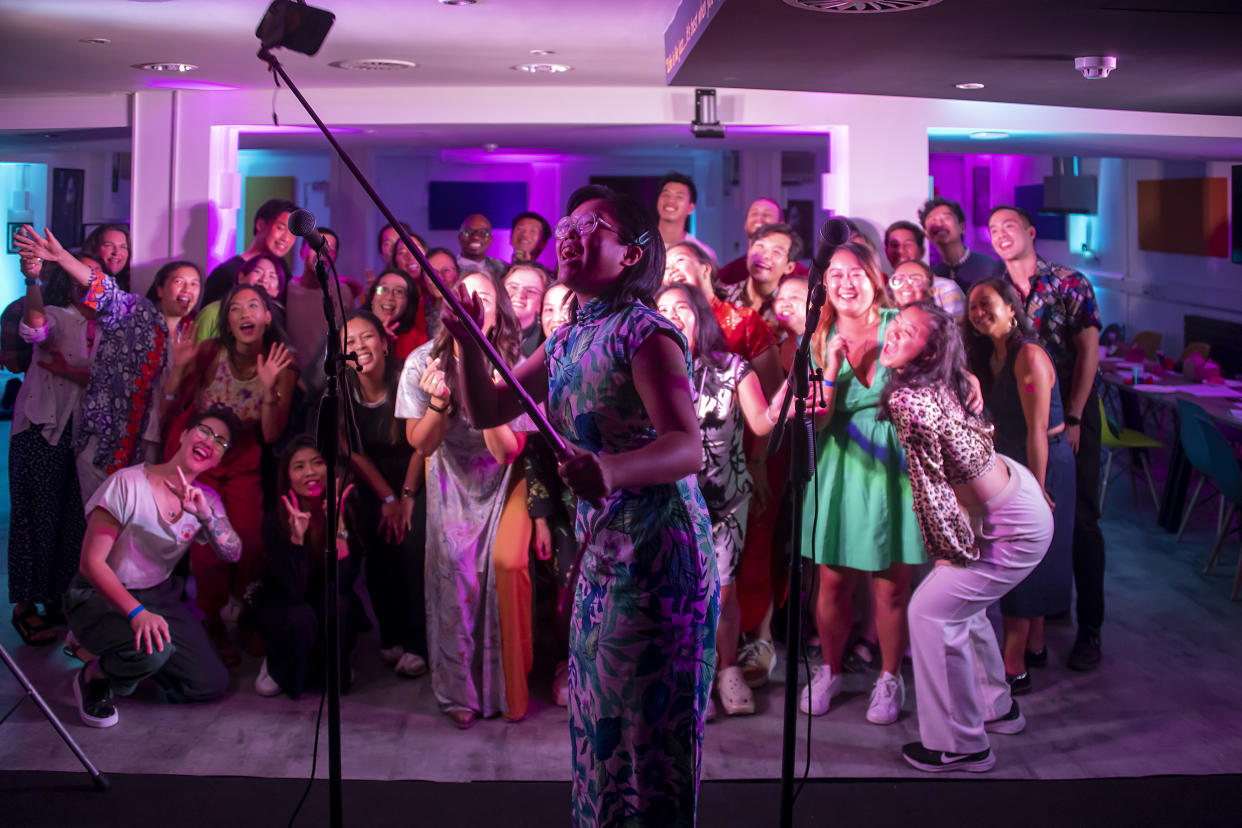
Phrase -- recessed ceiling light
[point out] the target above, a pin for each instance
(166, 67)
(458, 2)
(95, 41)
(988, 136)
(373, 64)
(542, 52)
(971, 85)
(546, 68)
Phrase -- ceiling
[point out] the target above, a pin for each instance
(1173, 55)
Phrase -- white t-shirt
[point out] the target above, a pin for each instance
(148, 547)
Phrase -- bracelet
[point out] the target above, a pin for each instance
(830, 383)
(170, 397)
(389, 499)
(767, 412)
(406, 491)
(31, 282)
(439, 409)
(134, 612)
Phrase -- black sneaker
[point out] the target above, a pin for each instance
(1085, 655)
(1009, 724)
(1039, 659)
(938, 761)
(1019, 685)
(94, 700)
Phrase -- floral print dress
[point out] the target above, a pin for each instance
(642, 637)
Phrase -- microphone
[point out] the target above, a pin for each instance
(834, 233)
(302, 224)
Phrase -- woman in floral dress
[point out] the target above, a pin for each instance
(642, 640)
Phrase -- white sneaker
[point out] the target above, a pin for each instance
(560, 685)
(391, 655)
(886, 699)
(264, 684)
(757, 659)
(411, 665)
(817, 696)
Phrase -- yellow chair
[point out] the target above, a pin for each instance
(1149, 342)
(1127, 439)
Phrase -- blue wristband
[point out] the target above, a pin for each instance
(829, 383)
(135, 611)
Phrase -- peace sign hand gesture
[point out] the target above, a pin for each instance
(299, 521)
(193, 500)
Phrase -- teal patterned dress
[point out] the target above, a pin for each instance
(642, 644)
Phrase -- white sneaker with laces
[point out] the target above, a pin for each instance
(886, 699)
(411, 665)
(264, 684)
(757, 659)
(817, 696)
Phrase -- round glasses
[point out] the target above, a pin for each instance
(582, 225)
(899, 280)
(220, 440)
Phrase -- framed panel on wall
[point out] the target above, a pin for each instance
(981, 195)
(67, 186)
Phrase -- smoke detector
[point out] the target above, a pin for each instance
(1095, 67)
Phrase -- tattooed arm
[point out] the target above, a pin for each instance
(206, 505)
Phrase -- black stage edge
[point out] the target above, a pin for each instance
(34, 798)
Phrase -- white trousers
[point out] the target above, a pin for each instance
(958, 671)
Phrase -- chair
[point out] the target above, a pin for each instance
(1194, 443)
(1203, 349)
(1149, 342)
(1127, 438)
(1227, 475)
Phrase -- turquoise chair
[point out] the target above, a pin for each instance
(1126, 438)
(1194, 443)
(1226, 473)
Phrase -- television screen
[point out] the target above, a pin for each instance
(449, 203)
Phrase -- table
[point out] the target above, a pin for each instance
(1222, 402)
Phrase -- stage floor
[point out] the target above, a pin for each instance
(1164, 702)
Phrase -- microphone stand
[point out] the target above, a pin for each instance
(329, 446)
(801, 467)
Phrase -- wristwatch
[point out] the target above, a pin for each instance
(1070, 419)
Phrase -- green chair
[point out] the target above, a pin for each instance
(1126, 438)
(1190, 417)
(1227, 475)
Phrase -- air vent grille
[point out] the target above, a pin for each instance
(860, 6)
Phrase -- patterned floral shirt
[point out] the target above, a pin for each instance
(944, 446)
(131, 357)
(1060, 305)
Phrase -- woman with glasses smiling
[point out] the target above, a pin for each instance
(393, 298)
(912, 281)
(125, 604)
(642, 640)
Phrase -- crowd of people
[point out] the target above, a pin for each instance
(162, 438)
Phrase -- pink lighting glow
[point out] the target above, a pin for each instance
(188, 85)
(291, 129)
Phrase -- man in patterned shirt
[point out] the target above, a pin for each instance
(1061, 305)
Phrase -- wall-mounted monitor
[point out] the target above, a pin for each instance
(449, 203)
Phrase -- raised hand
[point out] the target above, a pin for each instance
(340, 500)
(543, 539)
(835, 352)
(184, 345)
(31, 267)
(470, 304)
(31, 244)
(278, 359)
(299, 521)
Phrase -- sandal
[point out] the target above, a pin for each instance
(33, 628)
(735, 696)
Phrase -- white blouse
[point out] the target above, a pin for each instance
(47, 400)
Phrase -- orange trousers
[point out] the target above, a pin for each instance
(511, 558)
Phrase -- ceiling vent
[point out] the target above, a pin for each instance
(373, 65)
(860, 6)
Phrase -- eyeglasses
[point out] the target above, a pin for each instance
(475, 232)
(380, 290)
(219, 439)
(583, 225)
(898, 280)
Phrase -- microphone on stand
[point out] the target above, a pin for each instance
(302, 224)
(834, 233)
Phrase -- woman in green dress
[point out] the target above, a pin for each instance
(858, 517)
